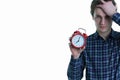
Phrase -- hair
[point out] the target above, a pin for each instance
(97, 2)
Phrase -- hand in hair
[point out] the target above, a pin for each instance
(108, 7)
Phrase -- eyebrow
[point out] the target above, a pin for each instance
(106, 16)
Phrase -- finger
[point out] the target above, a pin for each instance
(70, 45)
(99, 6)
(102, 1)
(69, 38)
(108, 0)
(83, 48)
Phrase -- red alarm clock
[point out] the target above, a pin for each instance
(78, 39)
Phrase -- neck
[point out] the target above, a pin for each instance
(105, 34)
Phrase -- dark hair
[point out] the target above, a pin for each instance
(97, 2)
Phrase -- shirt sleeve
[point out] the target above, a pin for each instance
(76, 68)
(116, 18)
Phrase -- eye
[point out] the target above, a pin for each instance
(97, 16)
(107, 17)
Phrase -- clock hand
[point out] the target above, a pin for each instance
(78, 40)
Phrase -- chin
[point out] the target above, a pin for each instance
(103, 30)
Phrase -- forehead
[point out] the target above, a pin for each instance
(99, 11)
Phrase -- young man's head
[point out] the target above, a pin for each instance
(102, 21)
(97, 2)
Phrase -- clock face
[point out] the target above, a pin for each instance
(78, 41)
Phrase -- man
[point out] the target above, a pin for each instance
(101, 56)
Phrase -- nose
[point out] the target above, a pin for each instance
(102, 22)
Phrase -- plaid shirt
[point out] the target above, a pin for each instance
(101, 58)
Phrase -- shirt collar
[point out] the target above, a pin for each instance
(113, 34)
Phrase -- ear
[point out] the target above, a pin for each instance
(93, 17)
(116, 7)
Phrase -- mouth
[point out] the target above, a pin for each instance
(102, 27)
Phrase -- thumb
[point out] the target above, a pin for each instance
(102, 1)
(99, 6)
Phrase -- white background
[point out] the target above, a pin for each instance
(34, 36)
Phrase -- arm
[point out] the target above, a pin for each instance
(116, 18)
(76, 67)
(110, 10)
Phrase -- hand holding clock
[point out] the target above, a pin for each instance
(77, 43)
(76, 51)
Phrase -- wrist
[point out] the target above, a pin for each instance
(76, 56)
(114, 12)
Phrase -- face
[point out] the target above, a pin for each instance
(102, 21)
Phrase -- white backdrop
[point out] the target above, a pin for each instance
(34, 36)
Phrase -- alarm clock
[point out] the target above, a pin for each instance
(78, 39)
